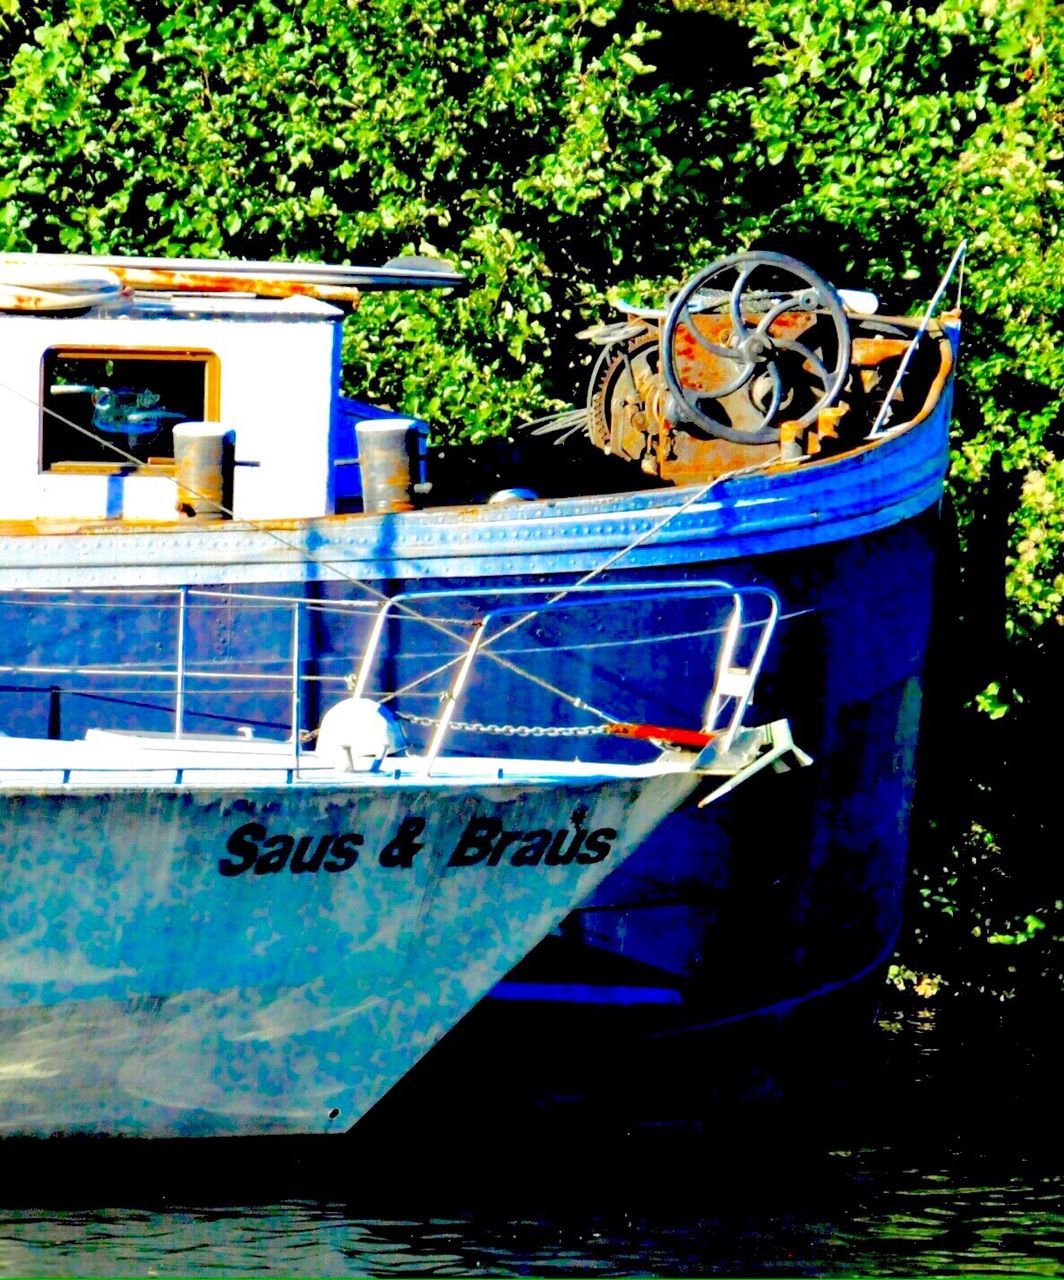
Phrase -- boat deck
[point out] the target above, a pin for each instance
(122, 760)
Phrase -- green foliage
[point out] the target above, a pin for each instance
(1032, 927)
(554, 149)
(886, 133)
(994, 701)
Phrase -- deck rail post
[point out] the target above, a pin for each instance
(179, 693)
(451, 697)
(296, 700)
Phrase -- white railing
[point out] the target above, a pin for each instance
(751, 616)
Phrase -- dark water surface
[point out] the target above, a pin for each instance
(949, 1162)
(893, 1222)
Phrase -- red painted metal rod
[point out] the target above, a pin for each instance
(660, 733)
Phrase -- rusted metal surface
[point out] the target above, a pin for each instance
(14, 299)
(869, 352)
(701, 370)
(203, 466)
(29, 282)
(632, 415)
(154, 467)
(233, 275)
(827, 421)
(388, 455)
(758, 295)
(157, 279)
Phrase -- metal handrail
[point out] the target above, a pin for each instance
(672, 587)
(729, 681)
(729, 695)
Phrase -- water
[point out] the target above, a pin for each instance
(950, 1167)
(886, 1221)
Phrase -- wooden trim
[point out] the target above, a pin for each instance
(212, 392)
(155, 467)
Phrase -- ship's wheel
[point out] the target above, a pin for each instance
(750, 341)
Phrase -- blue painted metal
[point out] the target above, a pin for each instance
(151, 986)
(738, 518)
(577, 993)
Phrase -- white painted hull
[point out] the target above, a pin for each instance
(164, 971)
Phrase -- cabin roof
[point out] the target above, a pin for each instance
(193, 306)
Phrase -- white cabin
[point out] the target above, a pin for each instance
(267, 369)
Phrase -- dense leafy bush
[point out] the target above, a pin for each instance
(558, 149)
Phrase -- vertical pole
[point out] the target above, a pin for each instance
(296, 702)
(450, 698)
(369, 654)
(720, 691)
(179, 699)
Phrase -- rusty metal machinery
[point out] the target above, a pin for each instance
(749, 351)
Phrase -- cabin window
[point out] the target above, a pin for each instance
(110, 411)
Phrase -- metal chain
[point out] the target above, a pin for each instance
(513, 730)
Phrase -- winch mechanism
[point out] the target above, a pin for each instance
(752, 351)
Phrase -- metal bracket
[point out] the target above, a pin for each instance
(751, 751)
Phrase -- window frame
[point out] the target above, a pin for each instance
(212, 396)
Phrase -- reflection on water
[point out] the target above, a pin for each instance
(903, 1222)
(951, 1169)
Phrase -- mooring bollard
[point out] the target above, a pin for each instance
(390, 452)
(204, 459)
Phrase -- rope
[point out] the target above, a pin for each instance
(617, 556)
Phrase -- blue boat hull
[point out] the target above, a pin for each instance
(790, 891)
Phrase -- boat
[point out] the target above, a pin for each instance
(178, 430)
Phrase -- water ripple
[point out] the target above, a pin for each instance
(905, 1222)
